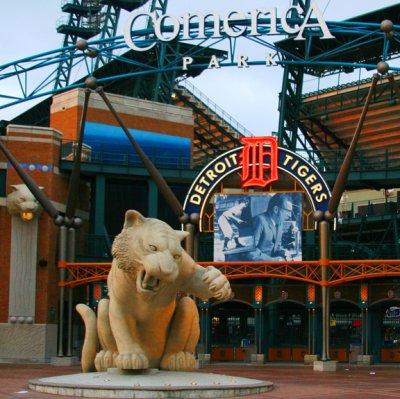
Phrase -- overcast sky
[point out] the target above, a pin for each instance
(250, 95)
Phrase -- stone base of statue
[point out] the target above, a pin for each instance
(152, 383)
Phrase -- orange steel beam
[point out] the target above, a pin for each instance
(340, 271)
(83, 273)
(351, 270)
(301, 271)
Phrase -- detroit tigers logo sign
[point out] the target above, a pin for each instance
(259, 161)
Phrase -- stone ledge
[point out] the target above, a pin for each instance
(65, 361)
(28, 342)
(310, 359)
(203, 359)
(257, 358)
(365, 359)
(327, 365)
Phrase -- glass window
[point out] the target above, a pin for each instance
(391, 327)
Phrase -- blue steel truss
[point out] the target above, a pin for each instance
(89, 18)
(27, 73)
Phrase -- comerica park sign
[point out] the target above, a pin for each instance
(190, 26)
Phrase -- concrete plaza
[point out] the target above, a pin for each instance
(290, 381)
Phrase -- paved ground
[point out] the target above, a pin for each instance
(290, 381)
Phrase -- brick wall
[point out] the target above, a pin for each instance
(66, 111)
(37, 150)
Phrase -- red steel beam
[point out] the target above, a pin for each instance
(341, 271)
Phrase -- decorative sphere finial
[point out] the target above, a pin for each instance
(386, 25)
(77, 222)
(91, 82)
(81, 44)
(329, 216)
(390, 35)
(59, 220)
(92, 52)
(184, 218)
(383, 67)
(194, 218)
(318, 216)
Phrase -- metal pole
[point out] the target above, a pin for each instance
(325, 218)
(309, 331)
(62, 258)
(394, 85)
(328, 319)
(70, 258)
(162, 185)
(73, 190)
(260, 320)
(189, 242)
(324, 261)
(257, 330)
(366, 331)
(196, 245)
(339, 187)
(313, 331)
(207, 328)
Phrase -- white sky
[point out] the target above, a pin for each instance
(28, 27)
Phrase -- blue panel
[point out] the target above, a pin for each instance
(110, 144)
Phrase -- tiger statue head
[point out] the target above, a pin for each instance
(22, 202)
(149, 250)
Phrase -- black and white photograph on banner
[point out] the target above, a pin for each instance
(258, 227)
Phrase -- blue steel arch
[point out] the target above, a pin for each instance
(24, 70)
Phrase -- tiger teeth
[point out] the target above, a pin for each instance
(149, 282)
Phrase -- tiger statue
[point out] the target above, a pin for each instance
(142, 325)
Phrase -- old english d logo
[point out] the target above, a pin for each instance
(257, 151)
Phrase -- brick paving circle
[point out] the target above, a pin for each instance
(290, 381)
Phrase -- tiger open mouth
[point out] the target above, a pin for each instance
(149, 282)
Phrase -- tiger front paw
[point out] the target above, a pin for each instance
(132, 361)
(180, 361)
(105, 360)
(217, 283)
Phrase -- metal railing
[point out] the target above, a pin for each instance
(368, 208)
(214, 108)
(377, 159)
(102, 154)
(326, 161)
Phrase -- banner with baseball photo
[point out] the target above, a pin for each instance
(258, 227)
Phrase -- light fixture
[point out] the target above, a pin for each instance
(258, 291)
(26, 216)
